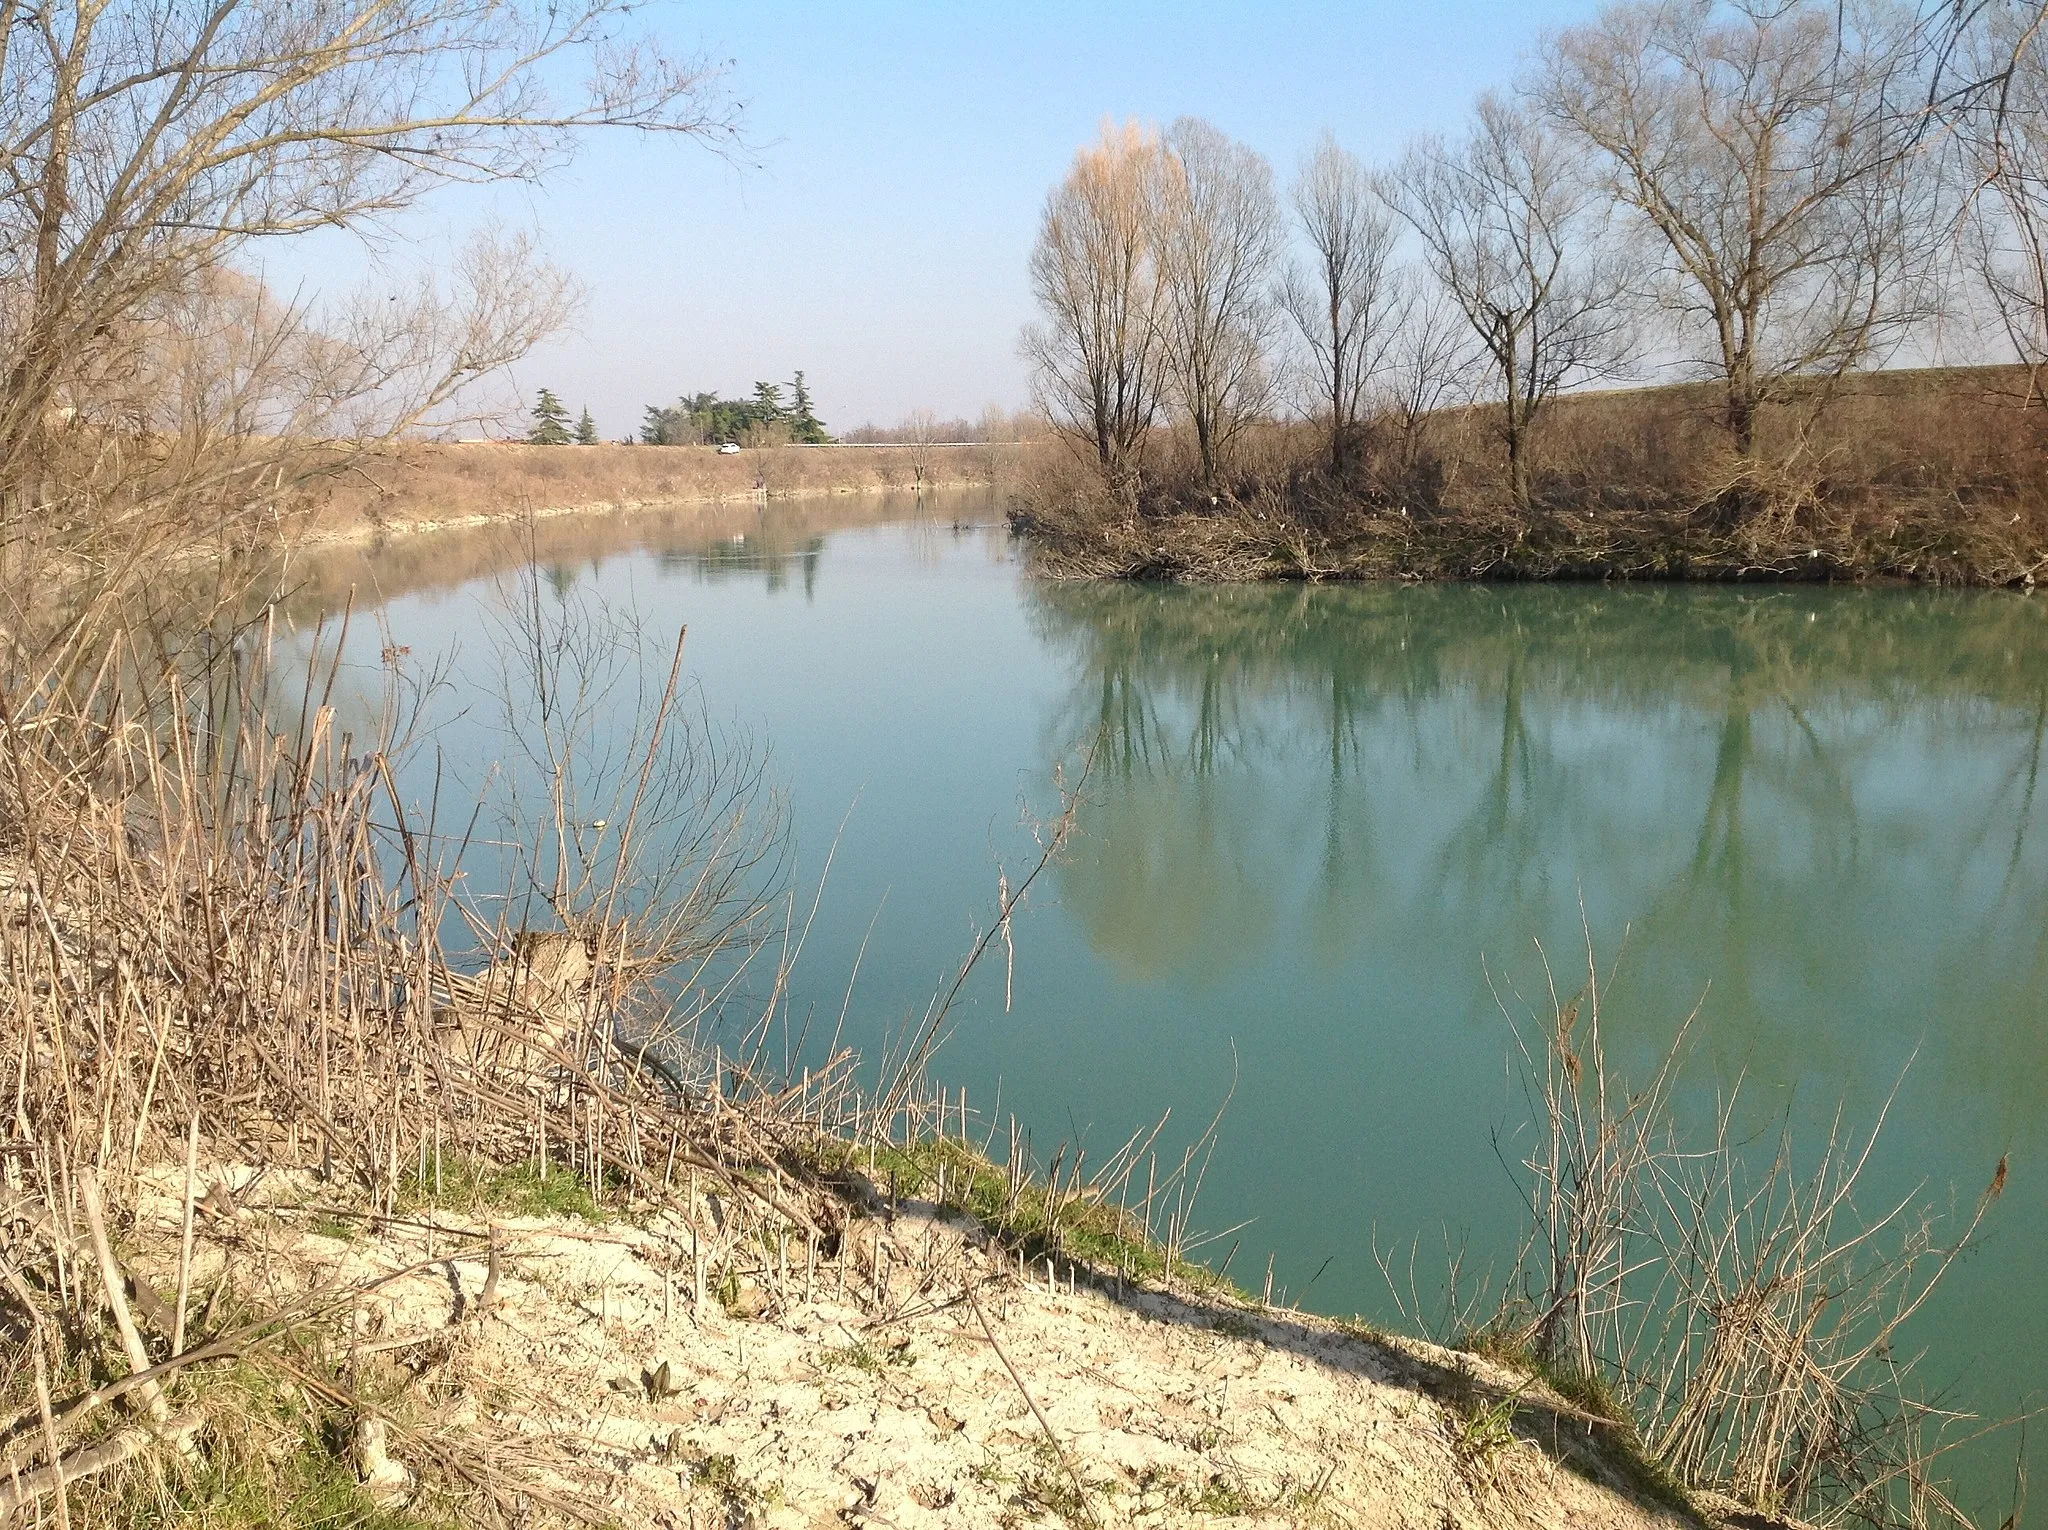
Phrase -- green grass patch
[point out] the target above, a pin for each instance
(269, 1459)
(1619, 1444)
(988, 1471)
(856, 1357)
(1366, 1333)
(462, 1184)
(1220, 1495)
(717, 1475)
(309, 1490)
(727, 1292)
(1048, 1489)
(1488, 1428)
(1034, 1221)
(860, 1356)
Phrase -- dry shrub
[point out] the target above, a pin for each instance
(1927, 476)
(226, 928)
(1741, 1297)
(230, 930)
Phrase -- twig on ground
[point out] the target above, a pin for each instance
(1051, 1439)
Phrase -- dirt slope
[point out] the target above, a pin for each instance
(427, 486)
(914, 1380)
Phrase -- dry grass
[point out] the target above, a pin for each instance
(779, 541)
(1933, 477)
(228, 934)
(422, 484)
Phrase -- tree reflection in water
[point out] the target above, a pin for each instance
(1820, 802)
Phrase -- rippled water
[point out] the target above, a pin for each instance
(1329, 831)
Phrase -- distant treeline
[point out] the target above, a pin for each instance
(923, 428)
(705, 419)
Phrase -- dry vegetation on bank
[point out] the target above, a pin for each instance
(425, 486)
(780, 541)
(669, 1367)
(1938, 477)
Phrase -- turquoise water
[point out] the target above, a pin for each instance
(1328, 831)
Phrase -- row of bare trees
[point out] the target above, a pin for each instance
(1763, 194)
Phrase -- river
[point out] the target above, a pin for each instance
(1328, 835)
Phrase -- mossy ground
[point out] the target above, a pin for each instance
(272, 1458)
(1031, 1217)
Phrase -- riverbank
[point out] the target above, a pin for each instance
(776, 1307)
(656, 1368)
(423, 1262)
(270, 967)
(431, 486)
(1935, 476)
(1266, 540)
(776, 539)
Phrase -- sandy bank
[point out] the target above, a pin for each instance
(914, 1379)
(431, 486)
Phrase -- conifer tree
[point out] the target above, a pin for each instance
(804, 424)
(586, 429)
(550, 421)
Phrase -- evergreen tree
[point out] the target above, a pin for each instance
(658, 425)
(804, 424)
(586, 429)
(550, 421)
(705, 419)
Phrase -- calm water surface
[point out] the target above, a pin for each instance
(1327, 831)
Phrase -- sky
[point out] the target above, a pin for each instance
(900, 155)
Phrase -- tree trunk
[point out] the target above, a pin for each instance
(1741, 419)
(1337, 421)
(1518, 466)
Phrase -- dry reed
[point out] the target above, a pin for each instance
(1732, 1297)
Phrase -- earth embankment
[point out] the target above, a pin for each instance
(428, 485)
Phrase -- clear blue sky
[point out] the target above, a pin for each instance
(904, 150)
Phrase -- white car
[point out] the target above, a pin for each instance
(730, 449)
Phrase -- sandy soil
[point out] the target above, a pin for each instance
(916, 1379)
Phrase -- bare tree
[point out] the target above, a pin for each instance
(1769, 144)
(1217, 235)
(920, 431)
(2000, 109)
(1425, 366)
(1096, 356)
(1339, 302)
(996, 427)
(146, 153)
(1512, 233)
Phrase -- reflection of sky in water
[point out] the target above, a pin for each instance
(1321, 818)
